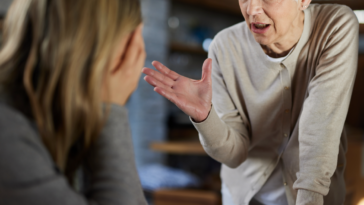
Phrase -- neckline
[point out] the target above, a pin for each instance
(277, 59)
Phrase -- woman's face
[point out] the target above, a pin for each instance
(271, 21)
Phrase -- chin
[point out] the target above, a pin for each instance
(262, 40)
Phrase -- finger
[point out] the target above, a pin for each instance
(207, 70)
(142, 43)
(142, 53)
(133, 47)
(141, 61)
(135, 55)
(159, 76)
(166, 71)
(156, 83)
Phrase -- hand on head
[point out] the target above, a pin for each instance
(123, 76)
(192, 96)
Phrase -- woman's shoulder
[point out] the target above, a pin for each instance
(333, 24)
(337, 14)
(238, 28)
(17, 132)
(232, 39)
(13, 124)
(232, 34)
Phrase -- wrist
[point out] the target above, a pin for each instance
(203, 117)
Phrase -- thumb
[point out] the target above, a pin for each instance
(207, 70)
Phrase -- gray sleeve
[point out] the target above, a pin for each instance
(113, 173)
(28, 175)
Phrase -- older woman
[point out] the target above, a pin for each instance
(280, 91)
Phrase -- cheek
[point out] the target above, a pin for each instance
(245, 14)
(283, 23)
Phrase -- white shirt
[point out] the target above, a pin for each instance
(273, 192)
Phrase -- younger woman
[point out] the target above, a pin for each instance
(66, 70)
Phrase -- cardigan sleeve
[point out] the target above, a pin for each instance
(28, 175)
(325, 108)
(224, 135)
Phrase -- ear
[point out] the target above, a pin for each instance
(304, 4)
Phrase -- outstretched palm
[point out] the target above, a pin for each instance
(193, 97)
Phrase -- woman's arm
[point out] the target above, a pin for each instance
(113, 174)
(325, 109)
(224, 134)
(29, 176)
(224, 139)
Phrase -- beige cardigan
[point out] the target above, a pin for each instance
(290, 114)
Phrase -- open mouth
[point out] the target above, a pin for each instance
(261, 26)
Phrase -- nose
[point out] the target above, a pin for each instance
(254, 7)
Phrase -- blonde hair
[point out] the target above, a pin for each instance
(54, 57)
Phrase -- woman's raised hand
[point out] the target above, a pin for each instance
(193, 97)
